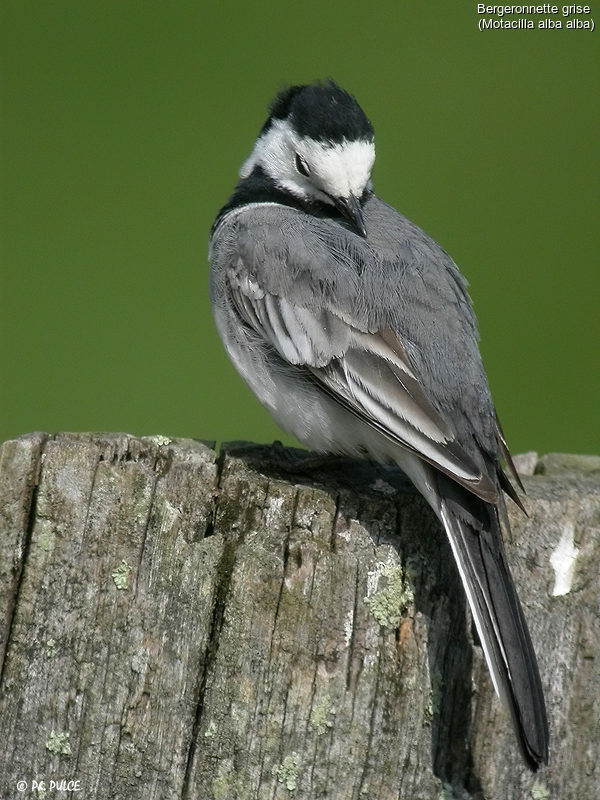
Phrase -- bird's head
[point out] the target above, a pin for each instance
(317, 145)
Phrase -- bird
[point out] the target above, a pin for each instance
(355, 330)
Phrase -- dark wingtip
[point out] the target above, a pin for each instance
(505, 453)
(510, 490)
(505, 482)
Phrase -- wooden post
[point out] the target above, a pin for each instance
(260, 625)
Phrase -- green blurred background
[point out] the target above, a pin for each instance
(123, 127)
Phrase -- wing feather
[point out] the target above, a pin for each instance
(369, 373)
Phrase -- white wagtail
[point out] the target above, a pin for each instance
(356, 331)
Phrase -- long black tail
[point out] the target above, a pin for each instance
(473, 528)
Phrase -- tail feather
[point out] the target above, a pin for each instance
(479, 553)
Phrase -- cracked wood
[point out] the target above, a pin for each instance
(181, 625)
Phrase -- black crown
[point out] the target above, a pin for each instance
(322, 111)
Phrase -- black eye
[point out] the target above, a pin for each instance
(301, 165)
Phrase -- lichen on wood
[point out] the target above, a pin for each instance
(261, 624)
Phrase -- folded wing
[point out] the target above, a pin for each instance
(367, 372)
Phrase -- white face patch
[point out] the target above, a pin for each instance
(336, 170)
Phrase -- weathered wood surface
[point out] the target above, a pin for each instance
(262, 627)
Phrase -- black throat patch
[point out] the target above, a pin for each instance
(258, 187)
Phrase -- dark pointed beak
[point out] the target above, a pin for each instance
(350, 207)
